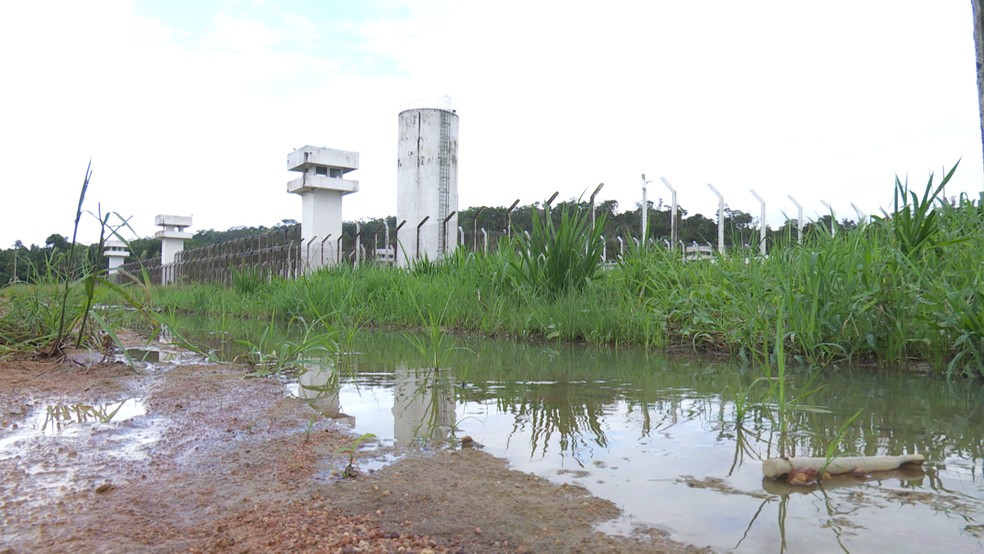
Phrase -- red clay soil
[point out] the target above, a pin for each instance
(216, 463)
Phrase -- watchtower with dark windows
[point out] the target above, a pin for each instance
(321, 186)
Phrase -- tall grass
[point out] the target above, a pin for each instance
(914, 223)
(556, 258)
(56, 310)
(901, 289)
(433, 343)
(269, 354)
(52, 312)
(60, 333)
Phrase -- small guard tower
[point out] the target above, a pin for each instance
(172, 237)
(321, 186)
(116, 252)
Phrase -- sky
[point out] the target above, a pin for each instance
(190, 107)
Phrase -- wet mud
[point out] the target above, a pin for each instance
(182, 456)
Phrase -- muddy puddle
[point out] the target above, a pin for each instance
(150, 360)
(57, 449)
(660, 439)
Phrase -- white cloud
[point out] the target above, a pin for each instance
(825, 101)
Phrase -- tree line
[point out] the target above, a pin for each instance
(32, 263)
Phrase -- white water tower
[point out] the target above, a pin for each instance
(427, 183)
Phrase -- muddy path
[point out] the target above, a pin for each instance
(197, 459)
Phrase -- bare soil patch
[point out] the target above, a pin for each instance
(216, 463)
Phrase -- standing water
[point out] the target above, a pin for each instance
(660, 439)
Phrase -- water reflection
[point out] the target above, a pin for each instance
(57, 417)
(566, 394)
(660, 438)
(158, 358)
(906, 478)
(423, 405)
(318, 386)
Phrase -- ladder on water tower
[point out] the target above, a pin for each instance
(444, 178)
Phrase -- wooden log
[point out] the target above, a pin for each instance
(777, 467)
(911, 474)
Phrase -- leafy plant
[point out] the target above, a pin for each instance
(350, 471)
(247, 281)
(556, 258)
(785, 403)
(434, 344)
(832, 445)
(270, 355)
(744, 401)
(57, 309)
(424, 266)
(350, 328)
(56, 346)
(310, 427)
(965, 320)
(914, 222)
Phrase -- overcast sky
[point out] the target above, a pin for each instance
(190, 107)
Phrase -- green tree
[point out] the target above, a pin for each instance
(56, 241)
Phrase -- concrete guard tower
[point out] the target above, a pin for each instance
(427, 183)
(172, 237)
(321, 186)
(116, 252)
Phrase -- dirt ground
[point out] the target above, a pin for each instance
(197, 459)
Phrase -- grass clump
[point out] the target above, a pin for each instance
(56, 310)
(269, 354)
(557, 258)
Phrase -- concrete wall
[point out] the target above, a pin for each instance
(418, 179)
(311, 181)
(172, 222)
(171, 243)
(321, 215)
